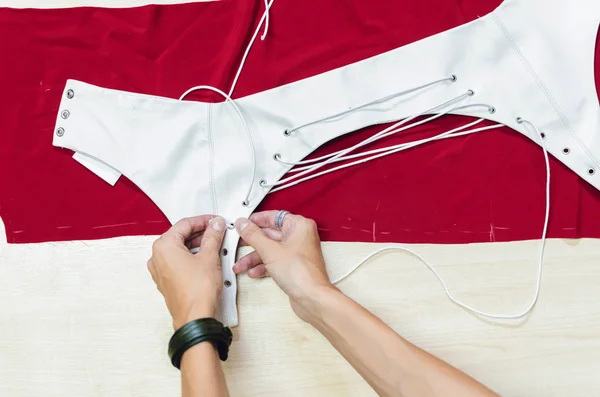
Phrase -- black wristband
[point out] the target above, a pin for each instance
(194, 332)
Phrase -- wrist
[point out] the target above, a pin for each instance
(312, 304)
(192, 314)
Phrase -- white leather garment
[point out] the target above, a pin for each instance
(532, 59)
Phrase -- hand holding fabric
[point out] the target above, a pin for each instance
(190, 283)
(292, 256)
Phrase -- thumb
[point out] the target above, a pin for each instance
(254, 236)
(213, 235)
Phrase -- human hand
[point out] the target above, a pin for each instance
(292, 256)
(190, 283)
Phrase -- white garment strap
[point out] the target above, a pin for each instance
(441, 280)
(371, 103)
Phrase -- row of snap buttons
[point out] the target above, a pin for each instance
(65, 114)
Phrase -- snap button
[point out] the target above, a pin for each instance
(227, 283)
(70, 94)
(65, 114)
(60, 131)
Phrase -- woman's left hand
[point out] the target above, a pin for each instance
(190, 283)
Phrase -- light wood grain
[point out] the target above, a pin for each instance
(84, 319)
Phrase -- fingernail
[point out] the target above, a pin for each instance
(217, 223)
(241, 224)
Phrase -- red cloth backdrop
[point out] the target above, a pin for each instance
(487, 187)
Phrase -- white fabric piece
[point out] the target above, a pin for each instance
(109, 174)
(529, 58)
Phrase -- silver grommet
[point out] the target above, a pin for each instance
(70, 94)
(65, 114)
(60, 131)
(453, 78)
(230, 226)
(227, 283)
(543, 135)
(276, 156)
(519, 120)
(492, 110)
(245, 203)
(262, 182)
(470, 92)
(566, 150)
(286, 133)
(224, 252)
(591, 171)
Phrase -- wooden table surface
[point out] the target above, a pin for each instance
(84, 318)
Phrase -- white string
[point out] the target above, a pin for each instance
(364, 105)
(399, 148)
(265, 17)
(246, 129)
(445, 286)
(375, 137)
(407, 145)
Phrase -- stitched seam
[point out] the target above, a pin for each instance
(211, 160)
(545, 89)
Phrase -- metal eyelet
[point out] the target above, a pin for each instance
(286, 133)
(470, 92)
(227, 283)
(276, 156)
(60, 131)
(65, 114)
(591, 171)
(519, 120)
(543, 135)
(224, 252)
(566, 150)
(70, 94)
(492, 110)
(230, 226)
(245, 203)
(262, 182)
(453, 78)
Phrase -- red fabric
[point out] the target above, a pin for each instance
(477, 188)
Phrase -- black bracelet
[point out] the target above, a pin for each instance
(194, 332)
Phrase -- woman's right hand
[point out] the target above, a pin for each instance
(292, 256)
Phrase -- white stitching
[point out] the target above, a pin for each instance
(211, 160)
(544, 88)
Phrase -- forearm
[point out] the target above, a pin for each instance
(389, 363)
(201, 372)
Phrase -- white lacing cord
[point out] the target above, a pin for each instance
(445, 286)
(386, 148)
(388, 131)
(387, 152)
(246, 129)
(377, 136)
(265, 17)
(364, 105)
(403, 146)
